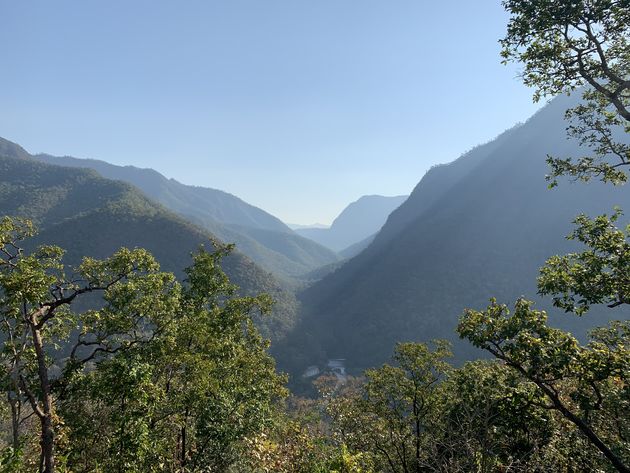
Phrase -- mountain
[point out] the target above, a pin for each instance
(12, 150)
(89, 215)
(478, 227)
(259, 235)
(353, 250)
(357, 222)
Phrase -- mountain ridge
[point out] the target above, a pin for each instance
(356, 222)
(228, 217)
(478, 227)
(89, 215)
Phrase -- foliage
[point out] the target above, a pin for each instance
(588, 384)
(429, 416)
(599, 129)
(491, 421)
(563, 46)
(300, 441)
(91, 216)
(162, 376)
(567, 45)
(390, 418)
(599, 275)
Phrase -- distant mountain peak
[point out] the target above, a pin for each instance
(357, 222)
(258, 234)
(477, 228)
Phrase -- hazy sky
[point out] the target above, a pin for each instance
(296, 106)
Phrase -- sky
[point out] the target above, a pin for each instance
(296, 106)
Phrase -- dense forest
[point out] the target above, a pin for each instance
(257, 234)
(427, 351)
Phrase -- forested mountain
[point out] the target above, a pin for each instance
(259, 235)
(205, 202)
(353, 250)
(357, 222)
(478, 227)
(10, 149)
(92, 216)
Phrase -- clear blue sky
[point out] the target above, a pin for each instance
(296, 106)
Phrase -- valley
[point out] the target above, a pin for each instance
(315, 237)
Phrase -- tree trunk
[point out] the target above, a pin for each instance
(584, 428)
(47, 433)
(15, 421)
(183, 453)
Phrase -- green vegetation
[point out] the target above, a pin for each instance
(596, 276)
(588, 385)
(162, 377)
(563, 46)
(111, 364)
(420, 413)
(257, 234)
(91, 216)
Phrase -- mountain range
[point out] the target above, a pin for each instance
(89, 215)
(357, 222)
(92, 207)
(476, 228)
(261, 236)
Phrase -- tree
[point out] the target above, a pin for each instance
(599, 275)
(570, 45)
(586, 385)
(390, 417)
(188, 400)
(157, 376)
(222, 379)
(423, 415)
(491, 420)
(563, 46)
(37, 320)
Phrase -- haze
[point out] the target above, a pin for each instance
(298, 107)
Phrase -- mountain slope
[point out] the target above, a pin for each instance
(187, 200)
(92, 216)
(476, 228)
(353, 250)
(12, 150)
(259, 235)
(357, 222)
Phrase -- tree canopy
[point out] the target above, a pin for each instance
(158, 374)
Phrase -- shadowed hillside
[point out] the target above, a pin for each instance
(476, 228)
(357, 222)
(259, 235)
(92, 216)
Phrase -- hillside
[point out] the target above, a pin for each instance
(353, 250)
(357, 222)
(476, 228)
(259, 235)
(92, 216)
(12, 150)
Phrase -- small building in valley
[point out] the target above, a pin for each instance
(311, 371)
(337, 366)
